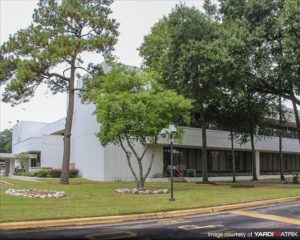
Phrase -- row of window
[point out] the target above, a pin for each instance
(270, 162)
(220, 161)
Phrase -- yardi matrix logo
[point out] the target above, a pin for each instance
(275, 234)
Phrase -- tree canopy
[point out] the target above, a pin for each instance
(132, 107)
(228, 51)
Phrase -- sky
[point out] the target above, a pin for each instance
(136, 17)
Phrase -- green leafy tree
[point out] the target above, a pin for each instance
(283, 117)
(231, 117)
(290, 22)
(251, 107)
(133, 108)
(187, 58)
(275, 63)
(22, 158)
(60, 32)
(230, 114)
(5, 141)
(274, 29)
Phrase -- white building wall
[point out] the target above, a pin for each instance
(52, 151)
(54, 127)
(257, 163)
(109, 163)
(220, 140)
(28, 145)
(116, 164)
(96, 162)
(86, 152)
(26, 129)
(26, 137)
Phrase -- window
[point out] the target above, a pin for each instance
(198, 160)
(36, 162)
(228, 164)
(237, 161)
(213, 161)
(183, 159)
(270, 162)
(276, 164)
(192, 164)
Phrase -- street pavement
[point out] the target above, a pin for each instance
(278, 221)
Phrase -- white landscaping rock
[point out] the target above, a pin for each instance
(146, 192)
(35, 193)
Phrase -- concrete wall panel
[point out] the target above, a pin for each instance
(52, 151)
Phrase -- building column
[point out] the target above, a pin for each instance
(7, 167)
(28, 164)
(257, 163)
(12, 166)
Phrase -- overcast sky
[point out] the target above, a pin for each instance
(136, 17)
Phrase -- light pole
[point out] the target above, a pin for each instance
(171, 131)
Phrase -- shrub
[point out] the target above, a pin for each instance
(19, 171)
(22, 172)
(41, 173)
(26, 174)
(74, 172)
(54, 173)
(159, 175)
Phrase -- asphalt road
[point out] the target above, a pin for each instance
(280, 221)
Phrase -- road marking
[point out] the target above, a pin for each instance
(193, 227)
(268, 217)
(111, 235)
(175, 221)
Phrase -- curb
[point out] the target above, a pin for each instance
(133, 217)
(8, 183)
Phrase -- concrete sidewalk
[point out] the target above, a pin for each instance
(133, 217)
(24, 178)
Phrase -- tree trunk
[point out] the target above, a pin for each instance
(140, 185)
(251, 131)
(204, 149)
(64, 178)
(296, 117)
(233, 157)
(128, 155)
(7, 167)
(281, 164)
(151, 163)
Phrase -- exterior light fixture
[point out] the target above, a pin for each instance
(171, 131)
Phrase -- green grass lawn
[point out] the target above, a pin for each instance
(88, 198)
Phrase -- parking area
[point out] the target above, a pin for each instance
(268, 221)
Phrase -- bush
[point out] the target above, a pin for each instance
(74, 173)
(19, 171)
(22, 172)
(159, 175)
(26, 174)
(41, 173)
(296, 177)
(54, 173)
